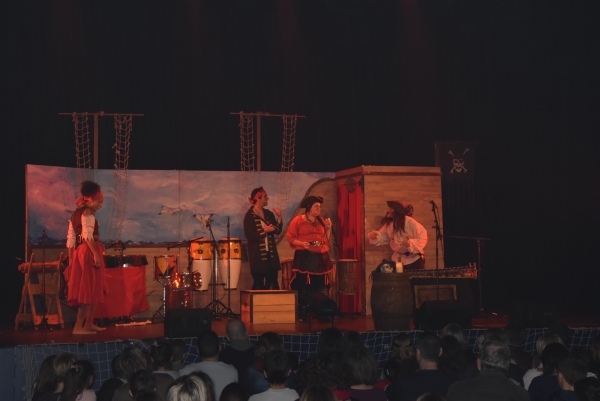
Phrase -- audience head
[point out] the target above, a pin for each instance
(162, 355)
(391, 369)
(588, 389)
(428, 348)
(76, 380)
(353, 339)
(236, 330)
(147, 395)
(293, 359)
(544, 340)
(115, 367)
(362, 365)
(497, 335)
(494, 356)
(331, 341)
(452, 360)
(561, 330)
(552, 355)
(178, 353)
(190, 388)
(208, 344)
(455, 331)
(268, 341)
(516, 334)
(318, 392)
(132, 360)
(277, 366)
(402, 347)
(46, 380)
(62, 364)
(140, 381)
(210, 386)
(570, 370)
(233, 392)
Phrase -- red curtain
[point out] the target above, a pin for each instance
(350, 239)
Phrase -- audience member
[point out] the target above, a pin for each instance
(456, 331)
(389, 372)
(430, 397)
(542, 386)
(492, 384)
(142, 380)
(107, 390)
(570, 370)
(404, 352)
(500, 335)
(147, 395)
(131, 361)
(363, 374)
(588, 389)
(45, 386)
(277, 369)
(452, 361)
(595, 352)
(178, 355)
(240, 352)
(233, 392)
(318, 392)
(517, 336)
(190, 388)
(326, 367)
(161, 355)
(220, 373)
(253, 379)
(353, 339)
(76, 385)
(540, 345)
(427, 379)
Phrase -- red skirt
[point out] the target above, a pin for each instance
(86, 283)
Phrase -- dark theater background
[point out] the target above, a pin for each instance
(379, 83)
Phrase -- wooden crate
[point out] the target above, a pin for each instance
(277, 306)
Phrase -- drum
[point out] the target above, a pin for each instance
(201, 249)
(185, 281)
(204, 268)
(235, 248)
(164, 267)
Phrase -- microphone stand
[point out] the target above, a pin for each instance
(438, 238)
(44, 322)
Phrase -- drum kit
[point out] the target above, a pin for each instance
(206, 257)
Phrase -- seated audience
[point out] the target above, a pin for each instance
(595, 352)
(147, 395)
(404, 352)
(240, 352)
(540, 345)
(570, 370)
(277, 369)
(318, 392)
(456, 331)
(542, 386)
(131, 361)
(107, 390)
(452, 361)
(220, 373)
(233, 392)
(142, 380)
(428, 379)
(353, 339)
(517, 336)
(45, 386)
(77, 381)
(588, 389)
(492, 383)
(363, 374)
(253, 378)
(178, 354)
(431, 397)
(190, 388)
(161, 355)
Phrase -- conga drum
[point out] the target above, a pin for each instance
(231, 249)
(164, 267)
(201, 252)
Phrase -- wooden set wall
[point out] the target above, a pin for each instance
(415, 185)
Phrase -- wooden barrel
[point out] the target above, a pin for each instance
(391, 301)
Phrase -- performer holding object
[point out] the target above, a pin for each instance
(309, 234)
(406, 236)
(85, 273)
(260, 227)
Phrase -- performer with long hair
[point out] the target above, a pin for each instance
(85, 273)
(309, 235)
(406, 236)
(261, 226)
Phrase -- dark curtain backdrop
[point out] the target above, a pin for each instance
(379, 82)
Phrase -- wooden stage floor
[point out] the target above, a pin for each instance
(9, 337)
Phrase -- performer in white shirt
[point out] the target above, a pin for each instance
(405, 235)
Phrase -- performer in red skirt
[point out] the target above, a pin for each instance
(85, 273)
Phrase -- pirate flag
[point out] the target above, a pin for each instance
(457, 163)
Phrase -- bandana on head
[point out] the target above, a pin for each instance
(258, 195)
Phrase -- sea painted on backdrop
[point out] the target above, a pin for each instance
(158, 206)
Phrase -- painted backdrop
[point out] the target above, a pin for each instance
(160, 206)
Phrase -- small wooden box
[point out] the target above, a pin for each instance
(276, 306)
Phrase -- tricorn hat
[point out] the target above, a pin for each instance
(310, 200)
(397, 206)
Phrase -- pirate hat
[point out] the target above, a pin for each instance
(310, 200)
(397, 206)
